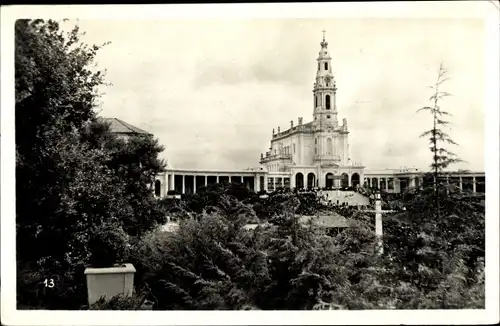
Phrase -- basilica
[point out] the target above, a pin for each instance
(316, 153)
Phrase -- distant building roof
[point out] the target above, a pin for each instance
(118, 126)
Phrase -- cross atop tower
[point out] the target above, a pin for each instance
(324, 43)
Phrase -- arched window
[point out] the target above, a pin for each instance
(315, 101)
(326, 65)
(318, 66)
(329, 146)
(315, 141)
(327, 99)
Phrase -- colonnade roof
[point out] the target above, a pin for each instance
(399, 173)
(213, 172)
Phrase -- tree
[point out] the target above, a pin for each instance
(77, 186)
(53, 104)
(441, 157)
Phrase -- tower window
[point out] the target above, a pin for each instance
(328, 117)
(326, 65)
(315, 101)
(318, 66)
(327, 99)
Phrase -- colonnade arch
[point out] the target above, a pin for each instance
(299, 180)
(311, 180)
(355, 179)
(344, 180)
(329, 180)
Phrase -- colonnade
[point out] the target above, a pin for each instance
(472, 183)
(183, 182)
(189, 183)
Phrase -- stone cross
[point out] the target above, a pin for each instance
(379, 232)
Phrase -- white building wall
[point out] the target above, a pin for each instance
(308, 149)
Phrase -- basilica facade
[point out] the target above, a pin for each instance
(316, 153)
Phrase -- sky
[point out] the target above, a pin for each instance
(212, 90)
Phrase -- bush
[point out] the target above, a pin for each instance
(108, 246)
(118, 302)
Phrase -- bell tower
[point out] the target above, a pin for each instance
(325, 90)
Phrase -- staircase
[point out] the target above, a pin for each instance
(352, 198)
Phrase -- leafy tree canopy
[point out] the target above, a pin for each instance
(74, 179)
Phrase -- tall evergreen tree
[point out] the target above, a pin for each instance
(442, 158)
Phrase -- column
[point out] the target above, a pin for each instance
(448, 184)
(474, 184)
(460, 183)
(183, 184)
(206, 181)
(349, 180)
(217, 181)
(256, 180)
(412, 182)
(171, 181)
(265, 183)
(378, 182)
(241, 179)
(378, 223)
(194, 184)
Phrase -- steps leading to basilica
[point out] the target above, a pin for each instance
(349, 197)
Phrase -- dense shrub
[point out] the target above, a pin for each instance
(108, 245)
(118, 302)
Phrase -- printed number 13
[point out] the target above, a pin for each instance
(49, 283)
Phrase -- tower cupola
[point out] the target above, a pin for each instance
(325, 89)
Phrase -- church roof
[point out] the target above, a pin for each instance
(118, 126)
